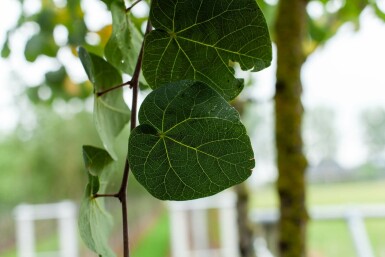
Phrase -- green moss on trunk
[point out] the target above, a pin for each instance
(290, 29)
(245, 227)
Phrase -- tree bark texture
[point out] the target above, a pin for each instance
(245, 227)
(290, 27)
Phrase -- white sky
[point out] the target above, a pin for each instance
(347, 74)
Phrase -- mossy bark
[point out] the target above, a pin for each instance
(245, 227)
(289, 33)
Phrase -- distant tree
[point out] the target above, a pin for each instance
(373, 122)
(321, 140)
(45, 151)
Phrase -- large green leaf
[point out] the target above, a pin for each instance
(190, 143)
(123, 47)
(94, 222)
(111, 113)
(199, 39)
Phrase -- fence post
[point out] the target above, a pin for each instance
(358, 231)
(25, 216)
(25, 231)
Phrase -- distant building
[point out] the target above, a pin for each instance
(327, 170)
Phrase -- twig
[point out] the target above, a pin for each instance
(105, 195)
(113, 88)
(135, 3)
(122, 194)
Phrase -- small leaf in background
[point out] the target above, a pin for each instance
(40, 44)
(190, 143)
(94, 222)
(5, 50)
(111, 113)
(118, 50)
(198, 39)
(96, 160)
(46, 19)
(123, 47)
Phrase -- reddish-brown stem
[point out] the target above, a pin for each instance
(106, 195)
(122, 194)
(135, 3)
(113, 88)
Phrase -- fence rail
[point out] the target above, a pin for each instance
(354, 215)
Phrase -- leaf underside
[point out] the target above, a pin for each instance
(124, 45)
(95, 224)
(94, 221)
(190, 143)
(111, 113)
(199, 39)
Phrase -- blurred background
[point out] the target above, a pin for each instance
(46, 116)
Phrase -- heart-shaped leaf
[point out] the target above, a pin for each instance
(199, 39)
(94, 222)
(111, 113)
(190, 143)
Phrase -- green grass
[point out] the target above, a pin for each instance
(48, 244)
(329, 194)
(376, 231)
(157, 241)
(10, 253)
(332, 238)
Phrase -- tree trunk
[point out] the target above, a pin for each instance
(289, 30)
(245, 227)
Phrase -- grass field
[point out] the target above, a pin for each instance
(157, 241)
(329, 194)
(332, 238)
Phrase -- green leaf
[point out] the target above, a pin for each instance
(199, 39)
(190, 143)
(46, 20)
(5, 51)
(39, 44)
(96, 159)
(108, 2)
(111, 113)
(94, 222)
(122, 48)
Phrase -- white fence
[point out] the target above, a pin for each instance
(189, 227)
(63, 212)
(354, 215)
